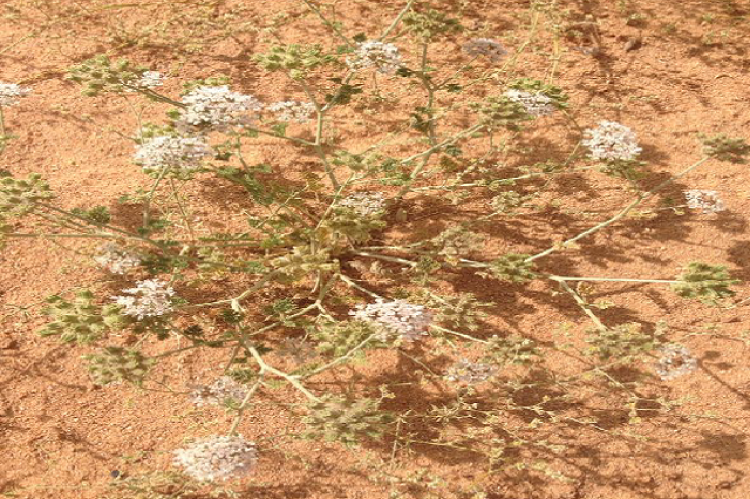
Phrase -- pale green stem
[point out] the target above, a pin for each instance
(607, 279)
(341, 359)
(396, 21)
(353, 284)
(582, 303)
(620, 214)
(245, 402)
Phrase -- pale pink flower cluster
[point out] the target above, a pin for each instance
(383, 57)
(399, 317)
(10, 94)
(217, 458)
(486, 47)
(116, 259)
(218, 108)
(611, 141)
(150, 298)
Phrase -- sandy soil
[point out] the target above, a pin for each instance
(61, 436)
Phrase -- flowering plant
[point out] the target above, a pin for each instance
(312, 264)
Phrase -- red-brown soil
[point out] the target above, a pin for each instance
(61, 436)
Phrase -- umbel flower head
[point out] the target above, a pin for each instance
(149, 79)
(150, 298)
(486, 47)
(216, 107)
(217, 458)
(536, 104)
(611, 141)
(675, 361)
(706, 201)
(364, 203)
(116, 259)
(469, 373)
(221, 390)
(399, 317)
(383, 57)
(180, 155)
(293, 111)
(10, 94)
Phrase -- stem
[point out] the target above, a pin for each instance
(396, 21)
(292, 380)
(582, 303)
(328, 23)
(245, 401)
(622, 212)
(353, 284)
(341, 359)
(182, 210)
(608, 279)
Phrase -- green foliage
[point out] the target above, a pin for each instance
(347, 224)
(627, 169)
(79, 320)
(304, 261)
(456, 242)
(707, 283)
(558, 96)
(336, 418)
(512, 267)
(513, 349)
(101, 75)
(97, 214)
(18, 197)
(724, 148)
(294, 59)
(430, 23)
(461, 311)
(339, 338)
(623, 343)
(118, 364)
(501, 112)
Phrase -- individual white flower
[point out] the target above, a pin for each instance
(611, 141)
(469, 372)
(364, 203)
(384, 57)
(150, 298)
(217, 458)
(117, 259)
(178, 154)
(706, 201)
(10, 93)
(486, 47)
(398, 317)
(300, 112)
(536, 104)
(675, 361)
(224, 388)
(217, 107)
(150, 79)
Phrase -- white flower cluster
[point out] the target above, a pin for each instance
(217, 458)
(10, 93)
(364, 203)
(489, 48)
(398, 317)
(149, 79)
(116, 259)
(219, 391)
(469, 372)
(536, 104)
(293, 111)
(706, 201)
(384, 57)
(217, 107)
(611, 141)
(675, 361)
(150, 298)
(179, 154)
